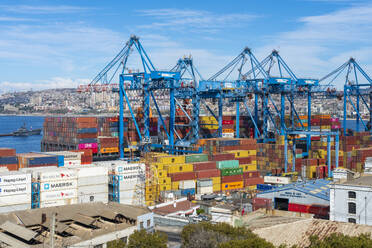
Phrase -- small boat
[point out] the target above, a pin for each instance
(24, 132)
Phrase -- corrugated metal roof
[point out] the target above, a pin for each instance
(18, 230)
(318, 188)
(12, 242)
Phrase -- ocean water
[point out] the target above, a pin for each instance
(9, 124)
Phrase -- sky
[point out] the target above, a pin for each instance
(58, 44)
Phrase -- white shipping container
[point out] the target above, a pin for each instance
(58, 185)
(11, 178)
(227, 135)
(72, 163)
(58, 195)
(15, 189)
(129, 168)
(15, 199)
(67, 155)
(92, 189)
(55, 203)
(277, 180)
(56, 175)
(205, 190)
(92, 171)
(98, 197)
(132, 177)
(127, 194)
(17, 207)
(95, 180)
(187, 184)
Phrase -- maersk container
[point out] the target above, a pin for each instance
(58, 195)
(185, 192)
(56, 175)
(8, 160)
(196, 158)
(187, 184)
(92, 171)
(14, 178)
(92, 180)
(231, 171)
(61, 202)
(93, 189)
(227, 164)
(58, 185)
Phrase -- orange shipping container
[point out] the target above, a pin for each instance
(109, 150)
(232, 185)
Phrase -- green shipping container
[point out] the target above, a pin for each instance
(227, 164)
(195, 158)
(232, 172)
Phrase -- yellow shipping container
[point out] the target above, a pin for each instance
(158, 166)
(150, 203)
(161, 174)
(180, 168)
(311, 171)
(175, 185)
(165, 180)
(171, 160)
(216, 187)
(232, 185)
(165, 187)
(248, 167)
(252, 187)
(150, 197)
(216, 180)
(150, 189)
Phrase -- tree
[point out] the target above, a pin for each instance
(222, 235)
(337, 240)
(116, 244)
(143, 239)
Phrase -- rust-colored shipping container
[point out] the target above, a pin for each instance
(222, 157)
(253, 181)
(181, 176)
(208, 173)
(251, 174)
(11, 167)
(7, 152)
(234, 178)
(210, 165)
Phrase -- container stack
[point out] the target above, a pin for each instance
(29, 160)
(187, 187)
(15, 191)
(92, 184)
(8, 159)
(67, 158)
(58, 187)
(204, 186)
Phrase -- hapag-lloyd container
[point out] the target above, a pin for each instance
(7, 190)
(15, 199)
(58, 185)
(58, 195)
(55, 203)
(88, 145)
(55, 175)
(11, 178)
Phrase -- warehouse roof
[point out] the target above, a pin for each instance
(298, 232)
(174, 207)
(75, 223)
(365, 180)
(318, 188)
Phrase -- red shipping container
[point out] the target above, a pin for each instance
(227, 122)
(253, 181)
(11, 167)
(222, 157)
(210, 165)
(251, 174)
(181, 176)
(7, 152)
(229, 179)
(208, 173)
(247, 160)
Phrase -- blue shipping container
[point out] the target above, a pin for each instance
(264, 187)
(87, 130)
(43, 160)
(185, 192)
(91, 140)
(8, 160)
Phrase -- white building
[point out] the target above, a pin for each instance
(351, 200)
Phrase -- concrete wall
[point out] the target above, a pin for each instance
(339, 200)
(144, 218)
(103, 239)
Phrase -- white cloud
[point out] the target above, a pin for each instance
(324, 42)
(14, 19)
(57, 9)
(193, 20)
